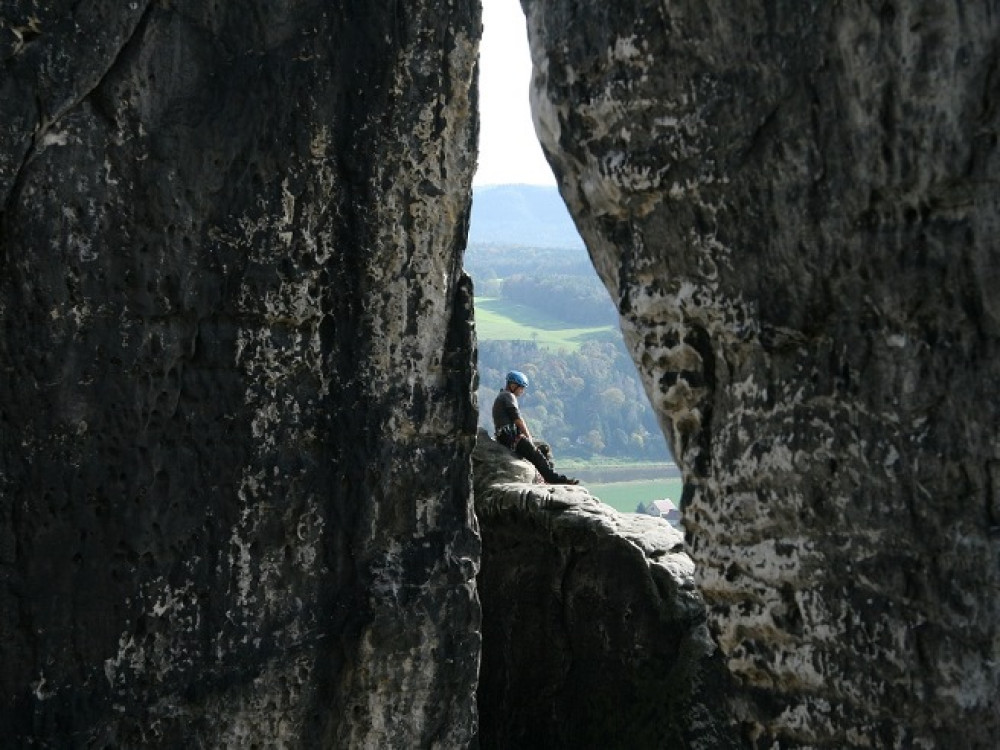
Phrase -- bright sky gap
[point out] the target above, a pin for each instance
(508, 147)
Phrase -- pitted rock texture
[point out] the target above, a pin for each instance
(593, 632)
(795, 206)
(236, 410)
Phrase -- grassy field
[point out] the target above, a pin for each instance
(497, 320)
(616, 471)
(625, 496)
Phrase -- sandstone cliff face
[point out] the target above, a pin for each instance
(795, 207)
(593, 632)
(236, 410)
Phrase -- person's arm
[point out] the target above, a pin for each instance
(522, 427)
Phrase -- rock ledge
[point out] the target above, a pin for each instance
(593, 630)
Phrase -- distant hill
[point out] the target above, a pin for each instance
(528, 215)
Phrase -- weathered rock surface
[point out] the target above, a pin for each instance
(795, 206)
(236, 410)
(593, 632)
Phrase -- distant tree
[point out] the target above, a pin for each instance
(613, 396)
(491, 286)
(594, 440)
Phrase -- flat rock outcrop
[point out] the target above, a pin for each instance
(795, 208)
(593, 632)
(236, 410)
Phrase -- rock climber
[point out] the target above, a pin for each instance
(511, 430)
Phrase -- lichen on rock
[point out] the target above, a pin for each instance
(794, 209)
(236, 410)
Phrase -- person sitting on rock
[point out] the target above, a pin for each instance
(511, 430)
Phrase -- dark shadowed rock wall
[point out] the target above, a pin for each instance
(795, 206)
(236, 375)
(594, 635)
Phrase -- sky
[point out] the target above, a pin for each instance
(508, 148)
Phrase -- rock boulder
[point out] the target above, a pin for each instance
(795, 208)
(236, 400)
(593, 632)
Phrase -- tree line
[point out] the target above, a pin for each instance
(558, 282)
(578, 300)
(486, 261)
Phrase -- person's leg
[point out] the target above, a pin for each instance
(546, 452)
(525, 449)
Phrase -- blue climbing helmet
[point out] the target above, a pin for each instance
(518, 378)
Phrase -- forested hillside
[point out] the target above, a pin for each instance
(545, 312)
(541, 309)
(577, 300)
(585, 403)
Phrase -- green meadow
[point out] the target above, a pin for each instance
(501, 320)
